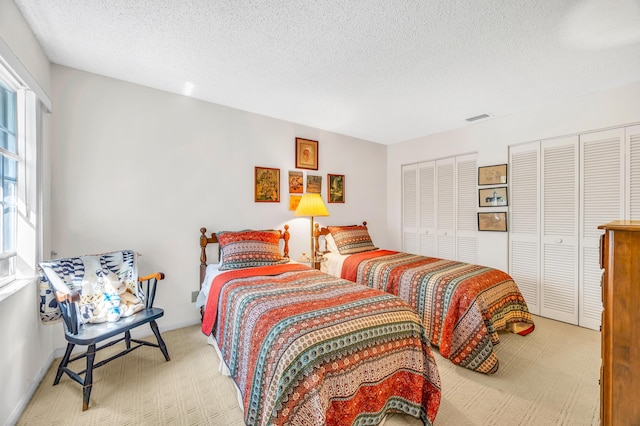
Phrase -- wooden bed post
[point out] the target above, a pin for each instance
(285, 236)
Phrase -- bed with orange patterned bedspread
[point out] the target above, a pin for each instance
(304, 347)
(462, 306)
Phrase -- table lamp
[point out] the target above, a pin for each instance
(311, 205)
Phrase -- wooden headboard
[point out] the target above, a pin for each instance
(204, 241)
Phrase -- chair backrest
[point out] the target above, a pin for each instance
(86, 276)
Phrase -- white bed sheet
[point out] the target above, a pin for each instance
(213, 270)
(333, 263)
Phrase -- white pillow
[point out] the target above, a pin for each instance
(330, 243)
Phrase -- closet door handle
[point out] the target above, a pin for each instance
(559, 241)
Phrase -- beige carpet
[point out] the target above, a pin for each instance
(549, 377)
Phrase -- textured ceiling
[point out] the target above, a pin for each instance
(381, 70)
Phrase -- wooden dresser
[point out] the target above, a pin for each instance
(620, 370)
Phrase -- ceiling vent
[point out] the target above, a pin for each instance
(478, 117)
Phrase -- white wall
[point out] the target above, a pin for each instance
(491, 140)
(139, 168)
(27, 346)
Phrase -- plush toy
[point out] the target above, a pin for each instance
(117, 300)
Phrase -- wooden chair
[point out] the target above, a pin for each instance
(71, 279)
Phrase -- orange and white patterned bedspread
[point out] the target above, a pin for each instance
(307, 348)
(462, 306)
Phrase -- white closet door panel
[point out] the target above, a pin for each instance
(445, 194)
(524, 226)
(523, 196)
(467, 249)
(590, 301)
(466, 202)
(410, 208)
(559, 293)
(446, 246)
(560, 188)
(602, 189)
(602, 181)
(467, 193)
(445, 212)
(427, 195)
(410, 242)
(427, 208)
(428, 245)
(525, 272)
(632, 134)
(559, 260)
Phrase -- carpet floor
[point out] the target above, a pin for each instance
(549, 377)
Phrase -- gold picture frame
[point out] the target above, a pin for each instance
(306, 154)
(492, 175)
(267, 185)
(335, 188)
(492, 221)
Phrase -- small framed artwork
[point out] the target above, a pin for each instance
(306, 154)
(294, 200)
(296, 182)
(335, 185)
(492, 175)
(267, 185)
(493, 197)
(494, 221)
(314, 184)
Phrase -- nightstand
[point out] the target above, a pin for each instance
(315, 264)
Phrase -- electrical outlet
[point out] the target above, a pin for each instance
(194, 296)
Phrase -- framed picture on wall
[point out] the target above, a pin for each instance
(335, 186)
(492, 175)
(314, 184)
(493, 197)
(306, 154)
(296, 182)
(294, 200)
(493, 221)
(267, 185)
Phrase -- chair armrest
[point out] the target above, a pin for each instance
(157, 275)
(147, 284)
(71, 297)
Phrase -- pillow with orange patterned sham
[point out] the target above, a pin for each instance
(352, 239)
(249, 248)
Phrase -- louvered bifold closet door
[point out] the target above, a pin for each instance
(559, 251)
(466, 202)
(632, 135)
(427, 210)
(445, 212)
(410, 208)
(601, 188)
(524, 226)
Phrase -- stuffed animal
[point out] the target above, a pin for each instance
(117, 300)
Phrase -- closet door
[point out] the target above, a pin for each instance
(524, 221)
(445, 211)
(427, 208)
(632, 149)
(602, 185)
(559, 250)
(466, 203)
(410, 208)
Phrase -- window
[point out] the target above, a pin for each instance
(8, 182)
